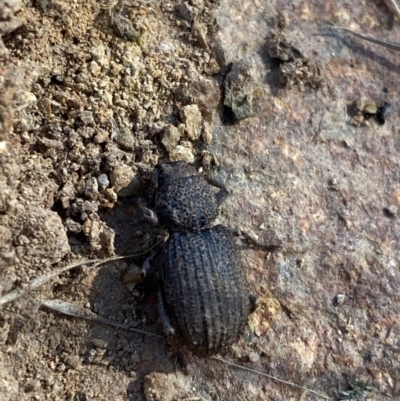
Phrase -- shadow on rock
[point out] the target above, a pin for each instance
(120, 294)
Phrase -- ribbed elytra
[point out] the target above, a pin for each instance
(204, 289)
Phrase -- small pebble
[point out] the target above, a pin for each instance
(170, 138)
(103, 181)
(254, 357)
(191, 116)
(182, 153)
(390, 211)
(340, 298)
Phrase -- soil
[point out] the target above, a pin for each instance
(268, 98)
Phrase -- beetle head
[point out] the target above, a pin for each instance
(166, 173)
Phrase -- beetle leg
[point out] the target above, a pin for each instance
(223, 193)
(168, 328)
(149, 267)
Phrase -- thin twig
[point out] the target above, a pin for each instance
(385, 43)
(39, 281)
(394, 8)
(70, 309)
(36, 283)
(270, 377)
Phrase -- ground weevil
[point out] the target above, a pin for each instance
(203, 293)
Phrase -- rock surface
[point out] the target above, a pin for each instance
(86, 89)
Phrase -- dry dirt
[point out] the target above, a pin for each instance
(94, 94)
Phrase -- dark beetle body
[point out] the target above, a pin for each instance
(185, 200)
(204, 289)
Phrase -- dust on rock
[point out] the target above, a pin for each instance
(294, 67)
(171, 387)
(91, 91)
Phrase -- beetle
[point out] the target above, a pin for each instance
(203, 295)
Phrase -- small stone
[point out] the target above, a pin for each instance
(73, 226)
(100, 236)
(125, 139)
(94, 68)
(205, 93)
(186, 11)
(239, 88)
(31, 385)
(199, 31)
(87, 117)
(170, 137)
(182, 153)
(108, 98)
(107, 360)
(67, 194)
(370, 108)
(99, 54)
(61, 367)
(125, 181)
(254, 357)
(99, 343)
(207, 159)
(44, 5)
(187, 144)
(73, 361)
(84, 209)
(207, 133)
(111, 195)
(116, 68)
(51, 143)
(91, 188)
(192, 118)
(212, 67)
(5, 235)
(44, 106)
(3, 147)
(181, 129)
(103, 181)
(6, 258)
(101, 136)
(29, 98)
(340, 298)
(390, 211)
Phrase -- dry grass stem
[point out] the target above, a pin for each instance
(270, 377)
(70, 309)
(381, 42)
(394, 8)
(36, 283)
